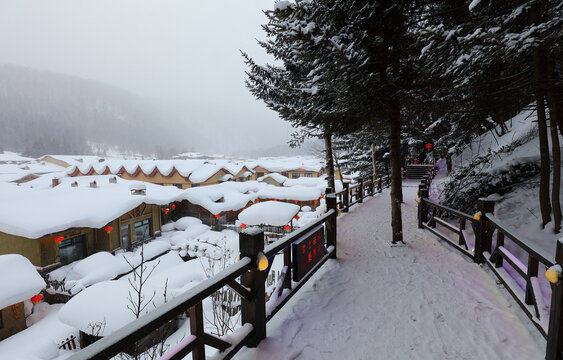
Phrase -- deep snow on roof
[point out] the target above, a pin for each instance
(33, 213)
(7, 156)
(19, 281)
(283, 164)
(273, 213)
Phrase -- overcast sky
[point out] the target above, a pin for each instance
(183, 54)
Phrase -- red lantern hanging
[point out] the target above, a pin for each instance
(287, 228)
(428, 146)
(297, 217)
(108, 229)
(166, 210)
(296, 201)
(173, 206)
(275, 199)
(59, 239)
(217, 216)
(36, 299)
(242, 226)
(257, 200)
(316, 201)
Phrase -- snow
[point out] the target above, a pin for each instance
(7, 156)
(474, 4)
(420, 301)
(297, 192)
(64, 207)
(93, 269)
(41, 339)
(279, 178)
(19, 280)
(185, 222)
(106, 302)
(273, 213)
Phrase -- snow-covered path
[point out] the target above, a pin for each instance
(421, 301)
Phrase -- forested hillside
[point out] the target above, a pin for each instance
(43, 112)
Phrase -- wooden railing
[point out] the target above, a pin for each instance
(351, 195)
(484, 247)
(247, 280)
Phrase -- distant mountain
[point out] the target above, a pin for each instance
(43, 112)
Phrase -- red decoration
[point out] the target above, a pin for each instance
(316, 201)
(108, 229)
(243, 225)
(217, 216)
(173, 206)
(257, 200)
(296, 201)
(297, 217)
(275, 199)
(166, 210)
(428, 146)
(287, 228)
(36, 299)
(59, 238)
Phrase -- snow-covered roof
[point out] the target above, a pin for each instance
(205, 171)
(280, 179)
(73, 159)
(228, 196)
(33, 213)
(19, 280)
(13, 172)
(283, 164)
(297, 192)
(273, 213)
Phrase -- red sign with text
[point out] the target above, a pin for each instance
(308, 251)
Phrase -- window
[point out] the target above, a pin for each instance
(124, 233)
(143, 230)
(259, 174)
(72, 249)
(295, 175)
(308, 175)
(195, 185)
(179, 186)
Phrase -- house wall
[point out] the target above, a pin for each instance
(13, 320)
(139, 213)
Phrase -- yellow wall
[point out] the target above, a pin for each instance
(52, 160)
(13, 318)
(159, 179)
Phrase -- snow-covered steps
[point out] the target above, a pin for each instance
(418, 171)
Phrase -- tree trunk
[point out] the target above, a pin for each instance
(373, 160)
(554, 115)
(540, 86)
(329, 159)
(395, 162)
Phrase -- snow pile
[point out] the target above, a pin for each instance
(279, 178)
(297, 192)
(185, 222)
(273, 213)
(19, 280)
(105, 307)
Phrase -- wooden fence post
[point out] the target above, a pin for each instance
(379, 185)
(346, 198)
(361, 191)
(251, 242)
(331, 223)
(554, 347)
(422, 207)
(196, 328)
(483, 235)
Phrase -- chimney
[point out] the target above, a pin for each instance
(55, 182)
(113, 180)
(74, 184)
(93, 184)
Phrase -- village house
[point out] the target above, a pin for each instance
(19, 282)
(77, 217)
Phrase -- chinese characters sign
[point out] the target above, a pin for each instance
(308, 251)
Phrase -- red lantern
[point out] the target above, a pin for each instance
(217, 216)
(59, 239)
(108, 229)
(257, 200)
(243, 225)
(296, 201)
(173, 206)
(36, 299)
(316, 201)
(287, 228)
(275, 199)
(428, 146)
(297, 217)
(166, 210)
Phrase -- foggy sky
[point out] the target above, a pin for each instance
(181, 54)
